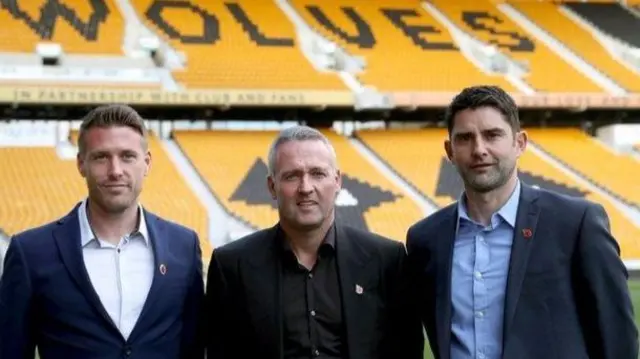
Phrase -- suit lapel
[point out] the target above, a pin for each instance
(523, 238)
(444, 258)
(67, 238)
(264, 292)
(352, 260)
(159, 246)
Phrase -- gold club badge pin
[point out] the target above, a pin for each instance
(163, 269)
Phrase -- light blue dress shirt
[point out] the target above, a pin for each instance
(478, 281)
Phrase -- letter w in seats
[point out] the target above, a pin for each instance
(52, 10)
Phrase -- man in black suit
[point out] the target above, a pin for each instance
(510, 271)
(309, 287)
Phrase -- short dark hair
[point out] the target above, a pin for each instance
(110, 116)
(484, 96)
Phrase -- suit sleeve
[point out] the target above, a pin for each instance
(219, 342)
(193, 322)
(16, 336)
(603, 300)
(406, 339)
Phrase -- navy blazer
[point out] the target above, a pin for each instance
(47, 300)
(566, 294)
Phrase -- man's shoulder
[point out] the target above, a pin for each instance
(36, 234)
(250, 243)
(174, 229)
(435, 220)
(561, 201)
(369, 239)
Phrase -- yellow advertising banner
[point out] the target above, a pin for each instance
(287, 98)
(153, 97)
(541, 101)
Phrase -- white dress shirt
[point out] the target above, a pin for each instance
(121, 275)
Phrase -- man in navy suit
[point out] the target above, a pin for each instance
(110, 279)
(510, 271)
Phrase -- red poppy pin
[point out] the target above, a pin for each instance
(527, 233)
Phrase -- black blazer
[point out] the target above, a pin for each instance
(566, 294)
(47, 300)
(245, 309)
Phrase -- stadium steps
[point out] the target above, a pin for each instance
(378, 156)
(229, 226)
(610, 18)
(549, 18)
(580, 168)
(427, 204)
(549, 72)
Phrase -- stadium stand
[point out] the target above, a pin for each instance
(548, 71)
(548, 16)
(39, 187)
(417, 156)
(385, 208)
(79, 26)
(396, 37)
(238, 179)
(238, 45)
(611, 18)
(613, 172)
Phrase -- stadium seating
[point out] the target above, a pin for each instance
(386, 209)
(39, 187)
(548, 71)
(549, 17)
(77, 25)
(238, 179)
(418, 157)
(234, 61)
(626, 232)
(616, 173)
(612, 19)
(233, 164)
(427, 60)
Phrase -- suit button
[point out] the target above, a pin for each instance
(127, 352)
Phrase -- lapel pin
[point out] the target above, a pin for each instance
(163, 269)
(527, 233)
(359, 289)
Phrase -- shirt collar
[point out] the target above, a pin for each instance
(86, 232)
(329, 238)
(508, 212)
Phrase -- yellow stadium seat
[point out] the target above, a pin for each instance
(234, 60)
(417, 156)
(617, 173)
(550, 18)
(83, 30)
(238, 179)
(394, 61)
(39, 187)
(548, 71)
